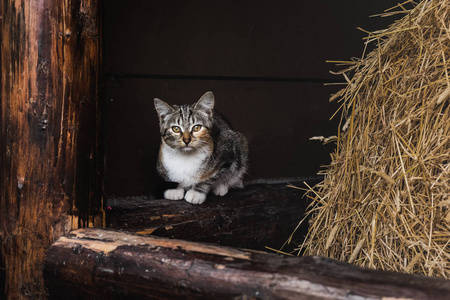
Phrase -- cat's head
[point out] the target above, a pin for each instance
(187, 127)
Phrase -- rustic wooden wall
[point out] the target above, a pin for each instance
(265, 61)
(50, 59)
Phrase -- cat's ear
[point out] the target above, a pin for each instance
(162, 108)
(206, 103)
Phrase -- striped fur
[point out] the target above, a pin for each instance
(199, 150)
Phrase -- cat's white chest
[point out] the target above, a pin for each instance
(183, 168)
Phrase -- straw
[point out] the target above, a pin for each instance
(385, 199)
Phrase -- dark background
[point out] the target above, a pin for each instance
(264, 60)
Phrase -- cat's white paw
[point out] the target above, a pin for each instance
(220, 190)
(175, 194)
(195, 197)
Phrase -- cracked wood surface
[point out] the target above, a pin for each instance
(106, 264)
(49, 118)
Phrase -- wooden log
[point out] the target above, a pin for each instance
(50, 64)
(102, 264)
(257, 216)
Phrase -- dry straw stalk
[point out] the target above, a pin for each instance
(384, 202)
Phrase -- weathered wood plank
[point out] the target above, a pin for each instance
(102, 264)
(50, 63)
(227, 38)
(254, 217)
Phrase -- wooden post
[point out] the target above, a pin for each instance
(50, 64)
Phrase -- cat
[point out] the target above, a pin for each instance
(199, 150)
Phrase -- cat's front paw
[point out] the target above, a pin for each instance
(195, 197)
(220, 190)
(175, 194)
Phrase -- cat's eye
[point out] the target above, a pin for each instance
(196, 128)
(176, 129)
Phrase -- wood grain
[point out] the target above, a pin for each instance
(103, 264)
(50, 59)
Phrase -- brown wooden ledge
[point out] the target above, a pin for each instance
(254, 217)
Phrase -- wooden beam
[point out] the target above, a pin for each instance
(103, 264)
(257, 216)
(49, 116)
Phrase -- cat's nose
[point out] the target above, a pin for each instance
(186, 137)
(187, 140)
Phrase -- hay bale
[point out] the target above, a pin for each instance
(385, 199)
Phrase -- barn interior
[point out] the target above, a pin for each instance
(89, 191)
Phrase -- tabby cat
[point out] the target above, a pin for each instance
(199, 150)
